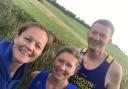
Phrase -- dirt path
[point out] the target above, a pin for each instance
(56, 19)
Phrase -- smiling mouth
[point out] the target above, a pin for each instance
(24, 52)
(58, 72)
(96, 43)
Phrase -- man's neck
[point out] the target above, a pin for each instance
(93, 60)
(93, 54)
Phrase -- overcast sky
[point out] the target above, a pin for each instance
(114, 10)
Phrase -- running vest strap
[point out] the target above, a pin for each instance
(92, 79)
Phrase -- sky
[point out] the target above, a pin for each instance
(113, 10)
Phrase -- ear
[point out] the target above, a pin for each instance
(110, 41)
(15, 37)
(74, 71)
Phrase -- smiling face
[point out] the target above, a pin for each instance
(29, 45)
(99, 37)
(64, 66)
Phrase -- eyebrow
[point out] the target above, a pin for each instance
(28, 35)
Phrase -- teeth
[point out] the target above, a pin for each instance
(24, 52)
(60, 72)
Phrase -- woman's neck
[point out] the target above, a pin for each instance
(14, 66)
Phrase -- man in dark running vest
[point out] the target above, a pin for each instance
(98, 70)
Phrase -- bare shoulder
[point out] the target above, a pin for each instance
(114, 76)
(78, 49)
(115, 69)
(81, 49)
(34, 74)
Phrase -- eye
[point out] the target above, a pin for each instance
(38, 46)
(94, 32)
(61, 61)
(69, 65)
(102, 35)
(28, 39)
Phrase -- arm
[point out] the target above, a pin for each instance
(114, 76)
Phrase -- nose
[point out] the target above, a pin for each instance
(62, 67)
(30, 46)
(97, 37)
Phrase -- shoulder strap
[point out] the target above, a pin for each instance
(83, 51)
(109, 59)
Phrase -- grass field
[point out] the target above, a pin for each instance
(53, 23)
(67, 29)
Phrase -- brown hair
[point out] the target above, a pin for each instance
(71, 51)
(105, 23)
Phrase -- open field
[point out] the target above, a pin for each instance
(53, 23)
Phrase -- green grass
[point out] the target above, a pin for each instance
(68, 30)
(63, 30)
(71, 22)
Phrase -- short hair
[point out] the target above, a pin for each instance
(105, 23)
(71, 51)
(27, 25)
